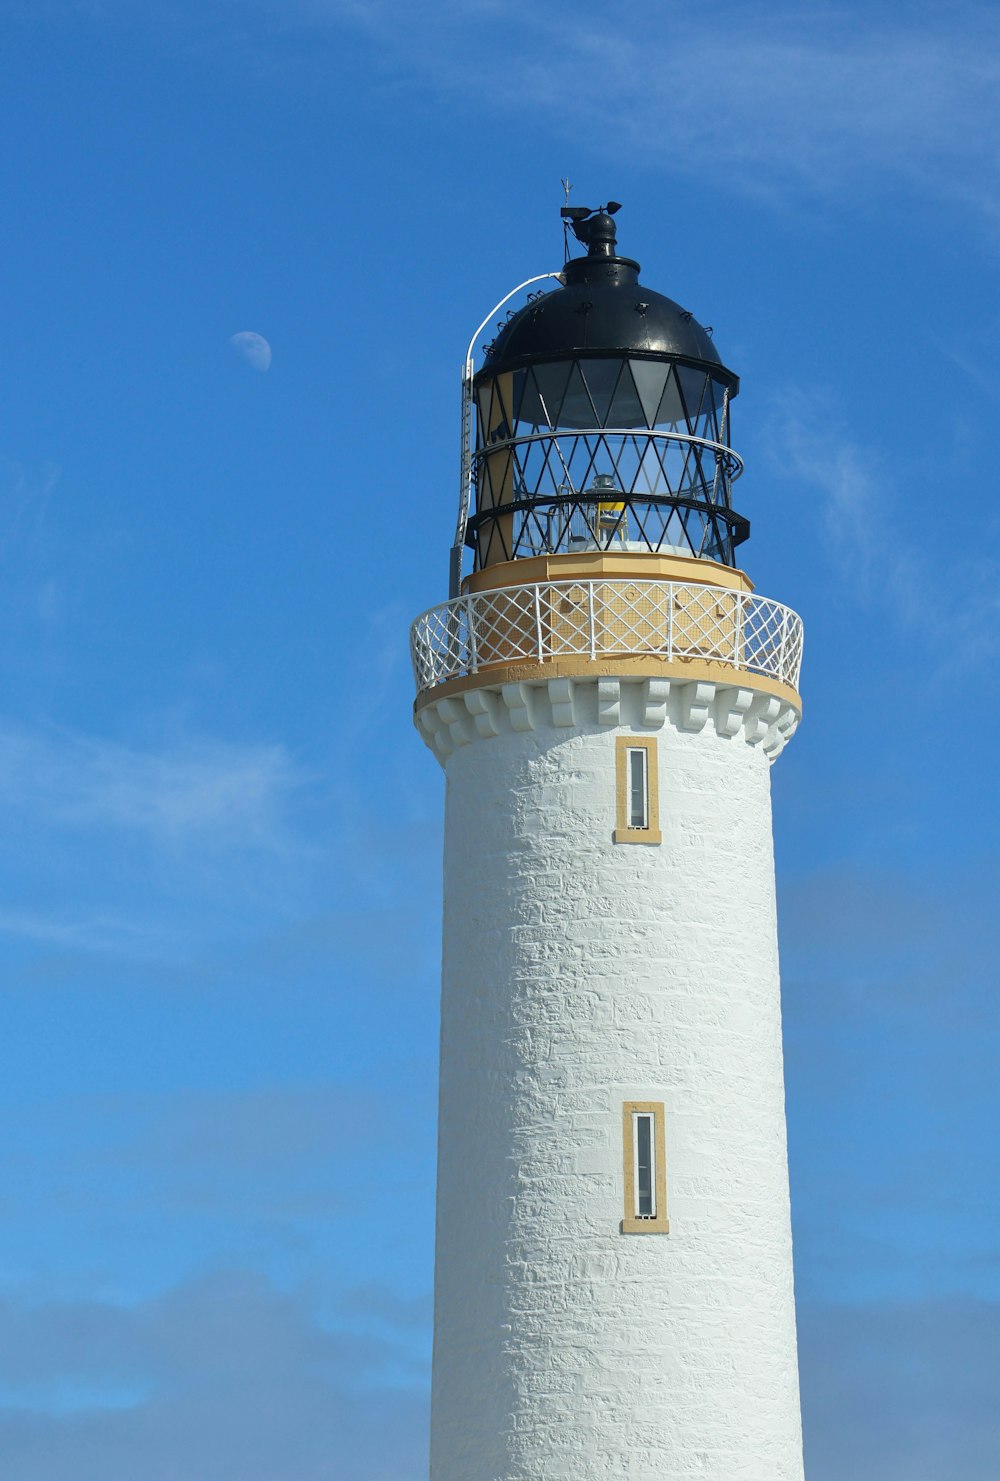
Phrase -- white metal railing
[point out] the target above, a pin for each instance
(468, 377)
(668, 619)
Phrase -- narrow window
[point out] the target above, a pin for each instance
(645, 1210)
(638, 796)
(637, 805)
(644, 1137)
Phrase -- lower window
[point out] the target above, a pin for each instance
(645, 1168)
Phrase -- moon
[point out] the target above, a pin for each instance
(253, 348)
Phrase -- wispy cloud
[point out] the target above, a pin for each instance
(300, 1155)
(108, 847)
(100, 931)
(891, 1037)
(823, 99)
(30, 593)
(216, 792)
(376, 1303)
(223, 1376)
(785, 100)
(788, 99)
(782, 101)
(227, 1375)
(946, 595)
(25, 496)
(901, 1392)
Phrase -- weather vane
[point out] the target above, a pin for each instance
(567, 186)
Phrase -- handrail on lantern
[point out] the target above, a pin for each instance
(468, 374)
(667, 619)
(734, 463)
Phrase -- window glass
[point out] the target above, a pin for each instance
(695, 389)
(577, 409)
(484, 397)
(626, 408)
(670, 412)
(645, 1206)
(650, 377)
(637, 809)
(602, 378)
(644, 1168)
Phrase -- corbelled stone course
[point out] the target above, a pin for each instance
(759, 717)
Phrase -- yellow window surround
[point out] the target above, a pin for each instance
(628, 826)
(654, 1221)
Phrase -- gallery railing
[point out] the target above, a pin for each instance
(670, 620)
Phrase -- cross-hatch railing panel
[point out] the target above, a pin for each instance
(668, 619)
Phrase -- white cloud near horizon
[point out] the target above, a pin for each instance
(904, 1391)
(227, 1375)
(224, 1375)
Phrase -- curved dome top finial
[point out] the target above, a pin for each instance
(595, 229)
(602, 309)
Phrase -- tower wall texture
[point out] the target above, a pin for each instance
(580, 974)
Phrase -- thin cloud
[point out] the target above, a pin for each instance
(901, 1392)
(891, 1037)
(280, 1154)
(791, 100)
(786, 101)
(228, 1376)
(114, 850)
(216, 792)
(811, 448)
(97, 932)
(221, 1377)
(864, 539)
(25, 497)
(30, 594)
(376, 1303)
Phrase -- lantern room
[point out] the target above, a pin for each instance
(603, 421)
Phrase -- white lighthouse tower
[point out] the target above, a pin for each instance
(606, 694)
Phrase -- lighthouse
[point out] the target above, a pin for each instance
(606, 693)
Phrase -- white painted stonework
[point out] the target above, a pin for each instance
(580, 974)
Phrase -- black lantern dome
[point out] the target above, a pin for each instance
(603, 420)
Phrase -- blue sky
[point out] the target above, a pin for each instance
(218, 941)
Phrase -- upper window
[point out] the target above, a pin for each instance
(638, 786)
(644, 1150)
(637, 811)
